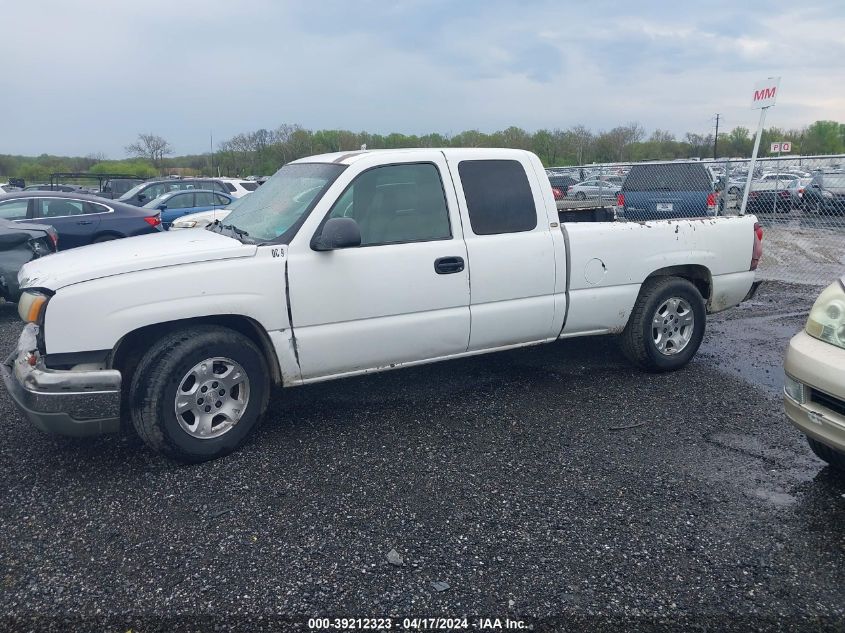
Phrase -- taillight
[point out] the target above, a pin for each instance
(801, 191)
(620, 199)
(153, 220)
(54, 237)
(783, 194)
(757, 251)
(711, 200)
(557, 193)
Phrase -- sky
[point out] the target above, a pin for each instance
(85, 77)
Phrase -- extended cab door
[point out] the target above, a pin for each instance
(512, 246)
(403, 294)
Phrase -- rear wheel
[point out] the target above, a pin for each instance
(824, 452)
(666, 326)
(198, 393)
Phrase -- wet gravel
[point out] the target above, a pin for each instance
(486, 487)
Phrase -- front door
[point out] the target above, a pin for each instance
(403, 295)
(76, 221)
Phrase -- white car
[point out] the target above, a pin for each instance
(6, 187)
(238, 187)
(199, 220)
(346, 264)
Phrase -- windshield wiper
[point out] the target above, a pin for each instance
(236, 230)
(218, 227)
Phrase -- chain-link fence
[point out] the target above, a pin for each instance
(800, 201)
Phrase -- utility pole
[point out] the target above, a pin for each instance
(716, 138)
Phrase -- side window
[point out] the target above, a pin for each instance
(204, 199)
(397, 203)
(229, 186)
(221, 200)
(13, 209)
(154, 191)
(59, 208)
(93, 207)
(249, 185)
(499, 198)
(181, 201)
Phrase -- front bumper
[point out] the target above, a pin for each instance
(75, 403)
(820, 368)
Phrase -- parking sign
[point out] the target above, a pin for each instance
(786, 147)
(765, 93)
(774, 148)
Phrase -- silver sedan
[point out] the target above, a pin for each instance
(593, 189)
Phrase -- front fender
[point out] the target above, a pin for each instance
(96, 314)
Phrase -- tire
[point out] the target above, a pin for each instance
(638, 339)
(105, 238)
(580, 196)
(824, 452)
(165, 369)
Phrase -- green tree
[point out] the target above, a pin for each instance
(823, 137)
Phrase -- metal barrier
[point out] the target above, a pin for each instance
(799, 200)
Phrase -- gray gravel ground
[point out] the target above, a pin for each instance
(498, 475)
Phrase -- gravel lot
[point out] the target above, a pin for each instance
(500, 475)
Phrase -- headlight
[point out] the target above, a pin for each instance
(827, 318)
(185, 224)
(31, 306)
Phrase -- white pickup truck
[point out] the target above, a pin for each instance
(348, 263)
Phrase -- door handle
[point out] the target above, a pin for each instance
(448, 265)
(85, 222)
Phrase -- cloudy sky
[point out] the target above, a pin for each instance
(85, 77)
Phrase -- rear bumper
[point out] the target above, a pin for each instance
(74, 403)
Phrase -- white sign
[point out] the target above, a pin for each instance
(778, 148)
(765, 93)
(786, 146)
(774, 148)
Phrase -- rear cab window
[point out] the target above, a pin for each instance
(668, 177)
(498, 196)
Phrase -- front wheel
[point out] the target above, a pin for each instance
(666, 326)
(198, 393)
(833, 457)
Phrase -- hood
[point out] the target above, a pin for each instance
(128, 255)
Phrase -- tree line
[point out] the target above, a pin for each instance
(263, 151)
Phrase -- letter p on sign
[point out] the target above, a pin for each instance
(765, 93)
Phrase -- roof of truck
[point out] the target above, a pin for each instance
(347, 158)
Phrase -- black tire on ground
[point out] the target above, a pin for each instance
(152, 393)
(581, 195)
(105, 238)
(637, 340)
(826, 453)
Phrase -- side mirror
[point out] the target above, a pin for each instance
(337, 233)
(162, 207)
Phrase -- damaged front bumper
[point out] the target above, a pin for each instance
(64, 402)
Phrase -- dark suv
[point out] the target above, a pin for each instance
(825, 194)
(662, 191)
(148, 190)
